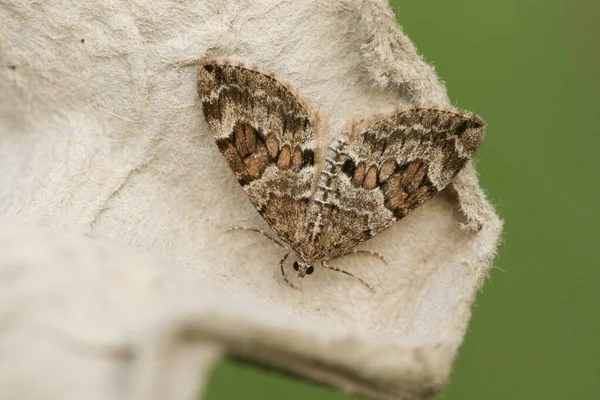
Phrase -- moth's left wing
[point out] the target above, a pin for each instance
(396, 165)
(265, 135)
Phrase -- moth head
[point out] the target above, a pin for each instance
(303, 268)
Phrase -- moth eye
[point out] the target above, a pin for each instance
(295, 265)
(310, 270)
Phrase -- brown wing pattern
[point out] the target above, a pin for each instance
(396, 165)
(266, 137)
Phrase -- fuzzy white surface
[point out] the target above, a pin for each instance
(102, 134)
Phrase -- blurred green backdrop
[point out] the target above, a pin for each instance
(531, 69)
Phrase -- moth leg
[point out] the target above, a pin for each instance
(371, 252)
(283, 272)
(325, 265)
(266, 234)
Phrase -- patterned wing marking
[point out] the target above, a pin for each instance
(266, 138)
(393, 167)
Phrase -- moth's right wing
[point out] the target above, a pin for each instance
(266, 137)
(394, 166)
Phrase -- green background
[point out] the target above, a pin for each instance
(530, 68)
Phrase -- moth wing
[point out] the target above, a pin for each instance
(266, 137)
(396, 165)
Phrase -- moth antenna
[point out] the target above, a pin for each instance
(265, 234)
(325, 265)
(370, 252)
(283, 272)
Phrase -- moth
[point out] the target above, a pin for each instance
(323, 201)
